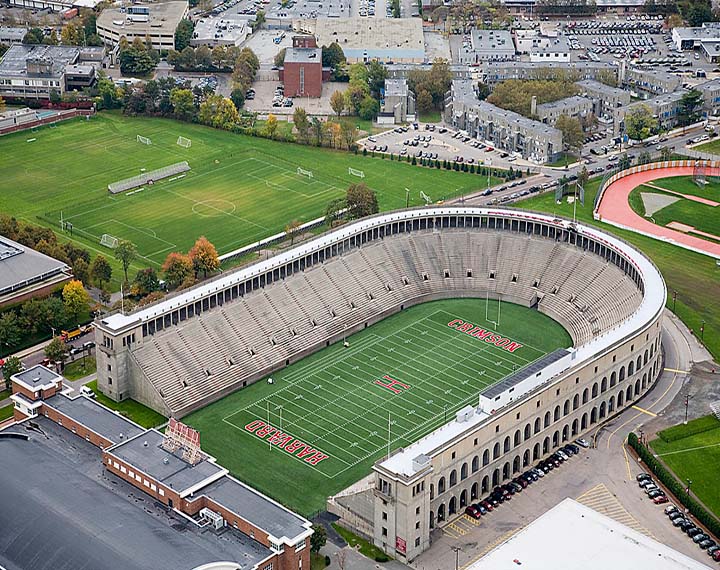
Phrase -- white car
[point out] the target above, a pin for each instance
(562, 454)
(582, 442)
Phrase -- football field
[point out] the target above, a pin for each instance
(239, 188)
(323, 421)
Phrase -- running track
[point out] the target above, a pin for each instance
(615, 209)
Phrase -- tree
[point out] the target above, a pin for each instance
(51, 39)
(12, 366)
(204, 257)
(81, 270)
(57, 350)
(54, 315)
(176, 268)
(145, 282)
(72, 34)
(291, 229)
(624, 162)
(333, 57)
(237, 96)
(644, 158)
(32, 313)
(260, 18)
(317, 127)
(9, 331)
(271, 126)
(665, 153)
(302, 124)
(377, 74)
(673, 21)
(33, 36)
(183, 103)
(640, 123)
(337, 102)
(333, 210)
(183, 34)
(583, 177)
(318, 538)
(516, 94)
(483, 91)
(424, 101)
(75, 298)
(571, 130)
(689, 107)
(135, 59)
(361, 201)
(369, 108)
(125, 253)
(280, 58)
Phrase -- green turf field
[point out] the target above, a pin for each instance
(240, 188)
(695, 277)
(695, 457)
(703, 217)
(332, 400)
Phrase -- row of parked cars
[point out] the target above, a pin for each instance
(505, 492)
(678, 518)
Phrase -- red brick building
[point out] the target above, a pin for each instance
(198, 488)
(302, 72)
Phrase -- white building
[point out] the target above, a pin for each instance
(155, 21)
(228, 30)
(571, 536)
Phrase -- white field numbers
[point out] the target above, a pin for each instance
(303, 172)
(109, 241)
(354, 172)
(143, 140)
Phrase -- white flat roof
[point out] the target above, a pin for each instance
(571, 536)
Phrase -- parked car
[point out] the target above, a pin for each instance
(698, 538)
(582, 442)
(655, 493)
(707, 543)
(487, 504)
(646, 482)
(642, 477)
(472, 512)
(692, 531)
(660, 499)
(713, 549)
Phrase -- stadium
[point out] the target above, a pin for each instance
(439, 432)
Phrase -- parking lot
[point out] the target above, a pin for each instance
(265, 93)
(440, 143)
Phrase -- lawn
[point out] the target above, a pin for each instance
(685, 185)
(6, 412)
(695, 457)
(131, 409)
(695, 277)
(75, 370)
(334, 400)
(430, 117)
(713, 147)
(563, 159)
(360, 544)
(703, 217)
(239, 189)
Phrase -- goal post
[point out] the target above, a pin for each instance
(354, 172)
(303, 172)
(109, 241)
(700, 173)
(143, 140)
(184, 142)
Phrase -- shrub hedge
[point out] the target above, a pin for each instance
(693, 427)
(675, 486)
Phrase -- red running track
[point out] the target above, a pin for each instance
(615, 209)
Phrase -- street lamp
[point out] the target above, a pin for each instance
(456, 550)
(687, 403)
(702, 330)
(689, 482)
(674, 300)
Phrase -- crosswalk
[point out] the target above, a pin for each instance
(600, 499)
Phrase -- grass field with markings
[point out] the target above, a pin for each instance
(334, 400)
(240, 189)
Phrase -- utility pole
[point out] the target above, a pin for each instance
(456, 550)
(687, 403)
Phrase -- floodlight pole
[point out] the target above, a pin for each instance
(388, 445)
(268, 418)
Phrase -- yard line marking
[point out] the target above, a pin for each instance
(644, 411)
(686, 450)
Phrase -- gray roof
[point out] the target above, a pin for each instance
(600, 87)
(21, 266)
(94, 416)
(12, 34)
(303, 55)
(14, 62)
(396, 87)
(256, 508)
(524, 373)
(493, 42)
(571, 102)
(145, 454)
(63, 511)
(37, 376)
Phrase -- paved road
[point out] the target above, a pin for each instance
(602, 478)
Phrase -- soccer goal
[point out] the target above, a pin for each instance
(109, 241)
(143, 140)
(303, 172)
(354, 172)
(183, 142)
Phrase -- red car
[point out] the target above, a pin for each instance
(487, 505)
(660, 499)
(472, 512)
(716, 555)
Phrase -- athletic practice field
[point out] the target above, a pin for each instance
(239, 189)
(324, 420)
(692, 451)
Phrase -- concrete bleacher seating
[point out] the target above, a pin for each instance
(235, 344)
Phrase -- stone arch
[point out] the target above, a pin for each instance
(556, 413)
(585, 396)
(518, 438)
(496, 450)
(538, 425)
(463, 498)
(506, 471)
(441, 486)
(516, 464)
(631, 368)
(485, 485)
(613, 379)
(638, 364)
(452, 506)
(594, 416)
(576, 401)
(475, 464)
(584, 422)
(621, 377)
(594, 390)
(546, 423)
(441, 513)
(603, 385)
(526, 458)
(574, 428)
(620, 398)
(637, 387)
(536, 451)
(611, 404)
(644, 380)
(528, 431)
(645, 357)
(546, 445)
(453, 478)
(566, 408)
(496, 477)
(506, 444)
(486, 457)
(463, 472)
(566, 433)
(432, 491)
(602, 410)
(474, 492)
(556, 438)
(628, 394)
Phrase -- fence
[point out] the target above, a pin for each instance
(148, 177)
(60, 116)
